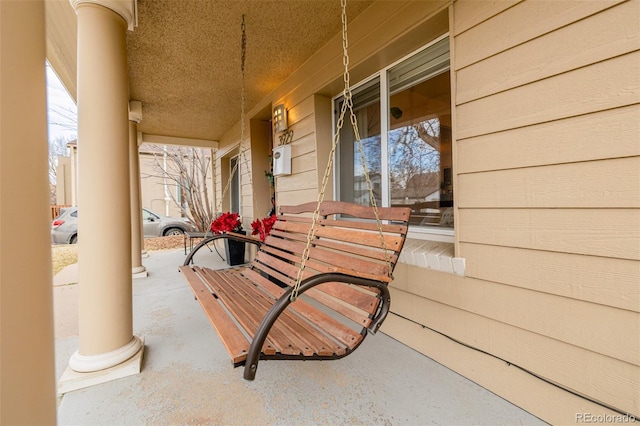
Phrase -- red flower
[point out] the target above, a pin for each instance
(226, 222)
(263, 227)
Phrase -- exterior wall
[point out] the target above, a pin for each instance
(153, 189)
(63, 181)
(374, 37)
(302, 185)
(546, 159)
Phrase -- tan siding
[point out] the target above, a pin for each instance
(292, 198)
(603, 232)
(547, 196)
(303, 164)
(521, 23)
(303, 127)
(611, 33)
(545, 356)
(606, 134)
(300, 111)
(532, 394)
(612, 282)
(469, 13)
(567, 320)
(577, 92)
(304, 145)
(299, 181)
(605, 184)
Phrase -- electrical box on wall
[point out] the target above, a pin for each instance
(282, 160)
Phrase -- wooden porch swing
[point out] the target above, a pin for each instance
(317, 284)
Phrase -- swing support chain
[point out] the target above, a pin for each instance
(347, 104)
(243, 146)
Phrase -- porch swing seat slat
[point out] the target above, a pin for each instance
(343, 294)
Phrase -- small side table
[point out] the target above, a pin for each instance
(192, 236)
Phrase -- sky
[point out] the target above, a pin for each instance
(61, 109)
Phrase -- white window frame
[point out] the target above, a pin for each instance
(431, 233)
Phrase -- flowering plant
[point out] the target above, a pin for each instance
(226, 222)
(263, 227)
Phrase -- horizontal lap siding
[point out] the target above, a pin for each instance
(519, 24)
(596, 232)
(548, 194)
(301, 186)
(611, 183)
(564, 319)
(605, 85)
(602, 280)
(606, 379)
(574, 46)
(581, 138)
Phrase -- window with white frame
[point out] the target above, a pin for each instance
(404, 121)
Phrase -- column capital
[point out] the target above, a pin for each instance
(128, 9)
(135, 111)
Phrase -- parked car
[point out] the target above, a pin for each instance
(64, 228)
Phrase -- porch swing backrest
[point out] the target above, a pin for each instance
(340, 245)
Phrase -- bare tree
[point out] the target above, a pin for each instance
(188, 169)
(57, 148)
(62, 117)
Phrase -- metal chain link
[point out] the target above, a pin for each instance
(243, 147)
(347, 104)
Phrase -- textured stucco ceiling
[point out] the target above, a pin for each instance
(184, 57)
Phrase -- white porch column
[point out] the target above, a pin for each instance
(104, 221)
(27, 382)
(138, 269)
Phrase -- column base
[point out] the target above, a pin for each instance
(139, 272)
(90, 363)
(72, 380)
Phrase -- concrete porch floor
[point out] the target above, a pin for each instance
(187, 377)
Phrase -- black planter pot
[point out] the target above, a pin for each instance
(234, 250)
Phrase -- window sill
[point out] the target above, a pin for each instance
(436, 255)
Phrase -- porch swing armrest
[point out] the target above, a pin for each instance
(253, 356)
(245, 238)
(229, 235)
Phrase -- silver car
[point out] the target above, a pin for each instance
(64, 228)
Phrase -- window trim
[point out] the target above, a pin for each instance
(235, 158)
(417, 232)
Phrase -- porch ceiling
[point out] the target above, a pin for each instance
(184, 57)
